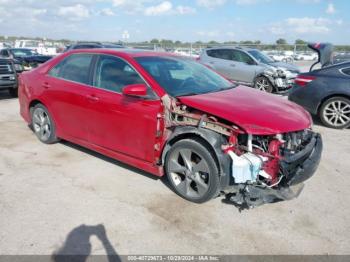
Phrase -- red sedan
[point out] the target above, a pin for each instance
(170, 115)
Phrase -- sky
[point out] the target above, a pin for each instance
(188, 21)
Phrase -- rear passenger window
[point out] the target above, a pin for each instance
(225, 54)
(74, 68)
(113, 74)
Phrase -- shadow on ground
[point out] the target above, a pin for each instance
(77, 246)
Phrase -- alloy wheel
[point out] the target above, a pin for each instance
(41, 124)
(263, 85)
(189, 172)
(337, 113)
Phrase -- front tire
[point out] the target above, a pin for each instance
(263, 84)
(335, 112)
(192, 171)
(43, 125)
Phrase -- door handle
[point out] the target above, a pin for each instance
(92, 98)
(46, 85)
(211, 62)
(232, 65)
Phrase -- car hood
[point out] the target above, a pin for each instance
(287, 66)
(254, 111)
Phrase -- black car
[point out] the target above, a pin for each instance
(91, 45)
(325, 92)
(24, 58)
(8, 76)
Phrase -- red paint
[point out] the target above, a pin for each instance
(254, 111)
(131, 129)
(302, 80)
(135, 90)
(272, 167)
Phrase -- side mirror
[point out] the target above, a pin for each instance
(137, 90)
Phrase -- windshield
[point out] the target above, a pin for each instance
(261, 57)
(181, 77)
(21, 52)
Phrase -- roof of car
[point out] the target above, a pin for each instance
(232, 47)
(125, 51)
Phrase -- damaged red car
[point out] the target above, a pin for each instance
(169, 115)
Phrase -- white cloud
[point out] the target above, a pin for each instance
(208, 33)
(210, 3)
(160, 9)
(331, 9)
(74, 12)
(107, 12)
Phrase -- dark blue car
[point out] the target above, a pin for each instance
(325, 92)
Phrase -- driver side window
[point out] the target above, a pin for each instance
(244, 58)
(113, 74)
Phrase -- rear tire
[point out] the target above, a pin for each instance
(263, 84)
(335, 112)
(192, 171)
(13, 92)
(43, 124)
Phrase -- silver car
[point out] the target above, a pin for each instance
(250, 67)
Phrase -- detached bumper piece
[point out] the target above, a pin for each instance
(250, 196)
(295, 169)
(302, 165)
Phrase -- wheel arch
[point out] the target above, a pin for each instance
(32, 104)
(211, 139)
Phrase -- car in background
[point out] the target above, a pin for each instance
(306, 56)
(24, 58)
(340, 58)
(325, 92)
(171, 115)
(250, 67)
(37, 46)
(282, 56)
(91, 45)
(8, 77)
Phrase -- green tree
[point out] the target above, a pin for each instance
(281, 41)
(154, 41)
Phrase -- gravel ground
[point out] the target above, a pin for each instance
(65, 199)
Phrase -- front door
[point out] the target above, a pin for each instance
(121, 123)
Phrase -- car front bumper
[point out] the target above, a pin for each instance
(296, 169)
(7, 81)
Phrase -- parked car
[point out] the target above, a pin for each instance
(91, 45)
(36, 46)
(282, 57)
(250, 67)
(8, 77)
(340, 58)
(171, 115)
(325, 92)
(24, 58)
(306, 56)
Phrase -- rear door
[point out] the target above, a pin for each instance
(122, 123)
(67, 91)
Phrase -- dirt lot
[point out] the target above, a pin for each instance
(53, 197)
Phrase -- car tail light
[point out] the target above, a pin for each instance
(302, 80)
